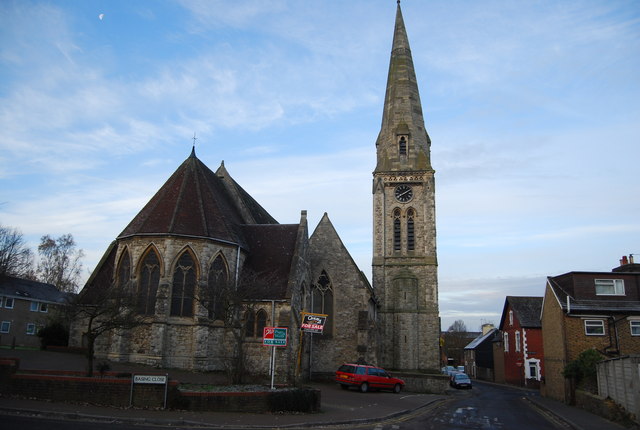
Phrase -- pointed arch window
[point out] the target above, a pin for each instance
(396, 230)
(184, 282)
(322, 300)
(148, 288)
(249, 324)
(217, 283)
(402, 145)
(123, 277)
(261, 322)
(411, 239)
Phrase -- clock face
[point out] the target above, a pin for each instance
(403, 193)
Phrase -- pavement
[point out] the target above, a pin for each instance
(338, 407)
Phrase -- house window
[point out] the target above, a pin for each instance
(609, 287)
(184, 282)
(396, 230)
(5, 327)
(510, 317)
(517, 341)
(594, 327)
(44, 307)
(34, 307)
(635, 328)
(8, 302)
(533, 370)
(31, 329)
(506, 342)
(411, 241)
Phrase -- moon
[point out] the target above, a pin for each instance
(101, 16)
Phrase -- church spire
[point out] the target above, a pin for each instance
(402, 114)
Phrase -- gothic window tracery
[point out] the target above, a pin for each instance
(123, 277)
(322, 300)
(149, 278)
(217, 283)
(184, 282)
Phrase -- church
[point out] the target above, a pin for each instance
(210, 268)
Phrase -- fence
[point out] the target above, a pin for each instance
(619, 379)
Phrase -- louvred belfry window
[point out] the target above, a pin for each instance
(184, 281)
(411, 240)
(396, 230)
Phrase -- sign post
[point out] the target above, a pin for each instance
(150, 379)
(273, 337)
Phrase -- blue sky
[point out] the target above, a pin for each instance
(533, 109)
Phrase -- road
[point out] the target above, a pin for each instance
(486, 407)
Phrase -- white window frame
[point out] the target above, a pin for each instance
(616, 286)
(8, 302)
(35, 306)
(510, 317)
(44, 307)
(31, 329)
(593, 324)
(6, 324)
(634, 324)
(505, 337)
(517, 341)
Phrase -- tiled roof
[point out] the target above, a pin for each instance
(271, 250)
(26, 289)
(196, 202)
(527, 310)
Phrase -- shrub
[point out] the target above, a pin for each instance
(584, 369)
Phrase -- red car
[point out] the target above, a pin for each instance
(366, 377)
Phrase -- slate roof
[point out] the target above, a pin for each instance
(481, 339)
(194, 201)
(26, 289)
(526, 309)
(575, 292)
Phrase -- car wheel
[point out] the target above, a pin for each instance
(397, 388)
(364, 387)
(344, 387)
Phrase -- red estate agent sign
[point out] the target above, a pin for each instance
(313, 323)
(274, 336)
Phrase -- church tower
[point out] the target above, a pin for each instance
(404, 229)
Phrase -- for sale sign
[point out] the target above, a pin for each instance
(274, 336)
(313, 323)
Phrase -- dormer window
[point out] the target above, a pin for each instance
(609, 287)
(402, 145)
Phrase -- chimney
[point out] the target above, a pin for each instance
(486, 328)
(624, 260)
(630, 258)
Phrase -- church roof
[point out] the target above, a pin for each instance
(195, 201)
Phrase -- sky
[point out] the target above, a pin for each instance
(533, 109)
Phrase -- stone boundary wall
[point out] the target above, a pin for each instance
(423, 382)
(604, 407)
(114, 389)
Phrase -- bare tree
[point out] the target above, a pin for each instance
(60, 263)
(455, 339)
(229, 302)
(16, 259)
(101, 310)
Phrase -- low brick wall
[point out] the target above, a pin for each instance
(286, 399)
(423, 382)
(114, 389)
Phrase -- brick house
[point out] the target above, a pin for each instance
(522, 348)
(26, 307)
(583, 310)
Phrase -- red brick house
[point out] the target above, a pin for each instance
(522, 341)
(583, 310)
